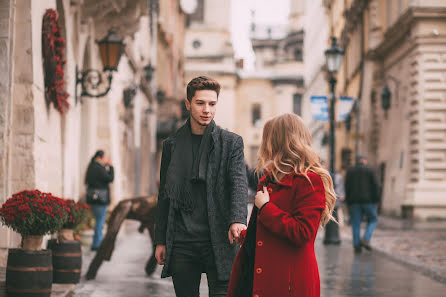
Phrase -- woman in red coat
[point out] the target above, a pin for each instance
(295, 196)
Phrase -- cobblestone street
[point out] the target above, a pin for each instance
(342, 273)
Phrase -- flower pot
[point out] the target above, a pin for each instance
(29, 273)
(65, 234)
(32, 242)
(67, 261)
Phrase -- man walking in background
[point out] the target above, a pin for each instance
(202, 202)
(362, 197)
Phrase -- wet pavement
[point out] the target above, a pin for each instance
(342, 273)
(345, 274)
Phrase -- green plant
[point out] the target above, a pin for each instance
(34, 213)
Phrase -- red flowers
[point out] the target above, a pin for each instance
(76, 213)
(53, 45)
(34, 213)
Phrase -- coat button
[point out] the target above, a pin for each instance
(270, 190)
(259, 270)
(259, 243)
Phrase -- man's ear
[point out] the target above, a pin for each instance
(187, 103)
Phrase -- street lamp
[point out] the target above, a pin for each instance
(333, 57)
(110, 50)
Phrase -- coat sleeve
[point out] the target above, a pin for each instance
(238, 184)
(162, 210)
(300, 225)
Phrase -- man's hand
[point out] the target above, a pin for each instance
(261, 198)
(160, 254)
(234, 232)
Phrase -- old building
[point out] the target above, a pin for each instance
(208, 51)
(44, 149)
(394, 64)
(316, 38)
(275, 85)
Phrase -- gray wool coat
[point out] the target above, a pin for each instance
(227, 193)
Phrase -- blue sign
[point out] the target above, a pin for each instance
(319, 108)
(344, 107)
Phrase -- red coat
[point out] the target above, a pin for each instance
(285, 262)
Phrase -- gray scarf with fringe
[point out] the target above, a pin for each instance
(184, 170)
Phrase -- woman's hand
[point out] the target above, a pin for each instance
(262, 197)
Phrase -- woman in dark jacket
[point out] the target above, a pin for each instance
(99, 174)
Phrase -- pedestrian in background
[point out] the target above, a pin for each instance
(295, 196)
(202, 202)
(100, 174)
(362, 197)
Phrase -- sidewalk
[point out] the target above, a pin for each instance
(419, 245)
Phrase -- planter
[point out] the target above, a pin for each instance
(65, 234)
(67, 261)
(29, 273)
(32, 242)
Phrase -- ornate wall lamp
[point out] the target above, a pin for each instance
(110, 49)
(386, 94)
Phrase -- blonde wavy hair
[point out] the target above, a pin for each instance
(287, 147)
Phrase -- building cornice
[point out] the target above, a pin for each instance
(402, 27)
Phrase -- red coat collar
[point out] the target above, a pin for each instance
(287, 180)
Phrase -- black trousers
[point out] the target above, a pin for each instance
(188, 261)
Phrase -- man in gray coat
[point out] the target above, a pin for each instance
(202, 202)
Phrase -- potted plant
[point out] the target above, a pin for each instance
(67, 253)
(32, 214)
(78, 213)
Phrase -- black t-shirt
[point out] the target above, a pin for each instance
(194, 227)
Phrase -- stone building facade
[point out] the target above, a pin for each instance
(394, 64)
(208, 51)
(42, 149)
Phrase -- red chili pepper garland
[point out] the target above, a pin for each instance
(53, 45)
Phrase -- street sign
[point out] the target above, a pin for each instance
(319, 108)
(344, 107)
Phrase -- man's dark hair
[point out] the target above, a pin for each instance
(202, 83)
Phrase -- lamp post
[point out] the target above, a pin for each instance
(333, 57)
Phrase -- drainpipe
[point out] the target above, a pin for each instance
(361, 82)
(152, 116)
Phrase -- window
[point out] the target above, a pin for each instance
(298, 55)
(198, 15)
(297, 104)
(256, 115)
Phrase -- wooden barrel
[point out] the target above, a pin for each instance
(67, 261)
(29, 273)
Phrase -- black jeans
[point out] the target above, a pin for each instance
(188, 262)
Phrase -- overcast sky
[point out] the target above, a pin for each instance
(266, 12)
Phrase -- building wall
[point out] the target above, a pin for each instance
(43, 149)
(403, 44)
(315, 43)
(252, 92)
